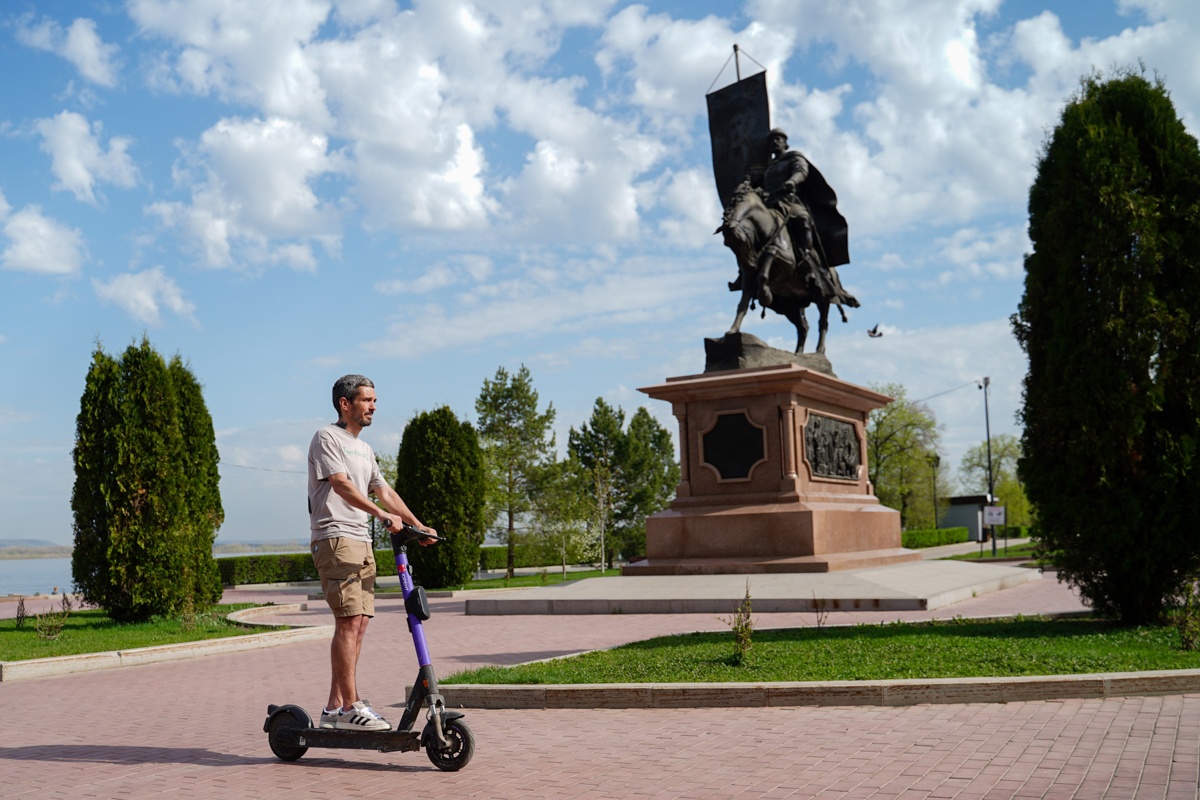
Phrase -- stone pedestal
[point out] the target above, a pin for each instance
(774, 477)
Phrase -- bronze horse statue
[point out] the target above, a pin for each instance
(768, 272)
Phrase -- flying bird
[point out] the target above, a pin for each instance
(875, 333)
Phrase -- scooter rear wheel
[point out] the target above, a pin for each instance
(462, 747)
(284, 745)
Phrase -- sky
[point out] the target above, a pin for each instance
(285, 191)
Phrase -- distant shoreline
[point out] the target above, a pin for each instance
(226, 549)
(58, 551)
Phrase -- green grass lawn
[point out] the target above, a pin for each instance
(92, 631)
(1027, 550)
(958, 649)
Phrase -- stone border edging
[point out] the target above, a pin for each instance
(832, 693)
(88, 662)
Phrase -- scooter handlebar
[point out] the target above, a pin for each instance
(411, 532)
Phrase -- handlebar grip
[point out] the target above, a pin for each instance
(411, 532)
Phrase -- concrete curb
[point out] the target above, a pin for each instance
(832, 693)
(88, 662)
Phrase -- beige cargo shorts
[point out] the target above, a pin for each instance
(347, 570)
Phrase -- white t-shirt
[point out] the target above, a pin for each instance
(334, 450)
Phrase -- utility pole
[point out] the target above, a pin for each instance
(984, 384)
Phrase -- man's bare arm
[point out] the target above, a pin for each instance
(395, 509)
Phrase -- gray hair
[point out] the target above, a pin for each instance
(347, 386)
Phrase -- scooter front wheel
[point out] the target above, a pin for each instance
(284, 744)
(456, 756)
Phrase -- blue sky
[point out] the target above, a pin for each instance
(283, 192)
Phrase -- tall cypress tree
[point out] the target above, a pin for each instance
(200, 459)
(136, 544)
(440, 475)
(1109, 321)
(97, 431)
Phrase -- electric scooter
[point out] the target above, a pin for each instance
(447, 740)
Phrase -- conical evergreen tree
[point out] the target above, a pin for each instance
(200, 459)
(440, 474)
(139, 549)
(1109, 321)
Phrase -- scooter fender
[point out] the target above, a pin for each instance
(295, 711)
(429, 734)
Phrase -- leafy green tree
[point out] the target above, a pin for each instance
(517, 439)
(145, 501)
(651, 473)
(599, 446)
(633, 474)
(1006, 483)
(562, 509)
(1108, 321)
(973, 471)
(902, 441)
(440, 474)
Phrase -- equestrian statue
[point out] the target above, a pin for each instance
(784, 228)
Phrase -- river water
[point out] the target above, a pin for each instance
(30, 576)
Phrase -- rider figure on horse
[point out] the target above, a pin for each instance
(781, 187)
(786, 171)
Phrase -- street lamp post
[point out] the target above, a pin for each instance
(984, 384)
(935, 461)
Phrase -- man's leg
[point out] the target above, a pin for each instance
(343, 652)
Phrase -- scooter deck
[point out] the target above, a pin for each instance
(383, 741)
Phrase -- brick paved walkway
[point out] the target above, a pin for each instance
(193, 729)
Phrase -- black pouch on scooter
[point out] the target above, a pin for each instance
(416, 603)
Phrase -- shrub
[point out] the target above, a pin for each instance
(285, 568)
(495, 557)
(933, 537)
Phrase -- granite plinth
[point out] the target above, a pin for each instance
(773, 477)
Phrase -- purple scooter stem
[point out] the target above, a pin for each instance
(414, 620)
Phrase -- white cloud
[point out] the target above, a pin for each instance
(36, 243)
(466, 268)
(692, 209)
(79, 44)
(975, 255)
(443, 190)
(412, 94)
(242, 52)
(252, 197)
(554, 296)
(664, 66)
(77, 158)
(143, 295)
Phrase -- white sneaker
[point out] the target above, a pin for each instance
(360, 717)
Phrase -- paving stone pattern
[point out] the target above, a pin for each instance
(193, 729)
